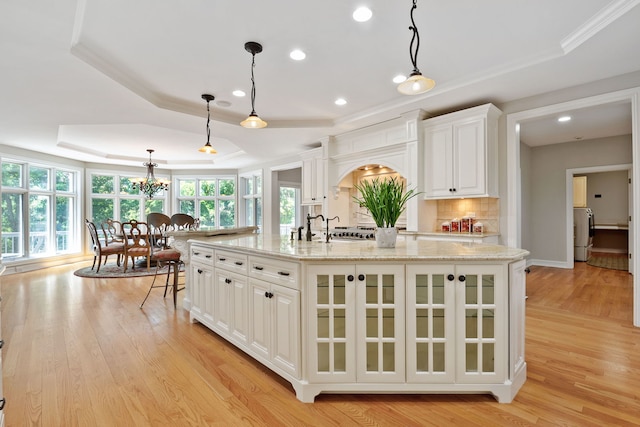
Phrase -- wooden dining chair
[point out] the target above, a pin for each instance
(103, 249)
(159, 224)
(182, 221)
(136, 242)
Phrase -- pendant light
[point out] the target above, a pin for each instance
(416, 83)
(253, 121)
(207, 148)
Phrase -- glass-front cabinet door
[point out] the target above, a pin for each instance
(430, 323)
(331, 299)
(380, 320)
(481, 301)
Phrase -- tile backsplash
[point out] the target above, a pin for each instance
(486, 209)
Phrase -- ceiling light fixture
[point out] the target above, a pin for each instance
(253, 121)
(416, 83)
(150, 185)
(297, 55)
(362, 14)
(207, 148)
(564, 119)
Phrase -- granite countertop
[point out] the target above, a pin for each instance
(317, 250)
(448, 234)
(210, 231)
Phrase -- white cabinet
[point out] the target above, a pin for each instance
(356, 323)
(457, 329)
(313, 192)
(275, 325)
(579, 191)
(231, 315)
(461, 154)
(201, 284)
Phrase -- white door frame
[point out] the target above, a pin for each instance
(514, 202)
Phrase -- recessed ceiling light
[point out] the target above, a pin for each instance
(239, 93)
(341, 101)
(564, 119)
(399, 78)
(297, 55)
(362, 14)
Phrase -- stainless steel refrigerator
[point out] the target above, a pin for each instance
(583, 232)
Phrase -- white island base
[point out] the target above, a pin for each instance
(421, 318)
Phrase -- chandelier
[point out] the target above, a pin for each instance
(416, 83)
(150, 185)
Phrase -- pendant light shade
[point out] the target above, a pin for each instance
(253, 121)
(207, 148)
(416, 83)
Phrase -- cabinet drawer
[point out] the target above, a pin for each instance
(231, 261)
(283, 273)
(202, 254)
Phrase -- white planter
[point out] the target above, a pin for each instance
(386, 237)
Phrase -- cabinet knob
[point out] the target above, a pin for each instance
(199, 271)
(462, 278)
(227, 280)
(268, 294)
(361, 277)
(527, 270)
(2, 402)
(450, 277)
(350, 278)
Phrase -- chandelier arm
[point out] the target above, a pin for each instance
(414, 39)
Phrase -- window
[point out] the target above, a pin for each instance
(289, 208)
(252, 198)
(212, 199)
(113, 196)
(40, 211)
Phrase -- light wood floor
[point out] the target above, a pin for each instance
(80, 352)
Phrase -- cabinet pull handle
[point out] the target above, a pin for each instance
(239, 263)
(222, 259)
(1, 343)
(2, 402)
(361, 277)
(257, 267)
(350, 277)
(207, 256)
(450, 277)
(462, 278)
(196, 253)
(527, 270)
(199, 271)
(283, 273)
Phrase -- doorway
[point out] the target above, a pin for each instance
(612, 214)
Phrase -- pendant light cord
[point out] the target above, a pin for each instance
(415, 39)
(253, 86)
(208, 119)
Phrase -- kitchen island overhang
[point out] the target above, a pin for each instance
(348, 317)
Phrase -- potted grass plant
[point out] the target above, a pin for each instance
(385, 200)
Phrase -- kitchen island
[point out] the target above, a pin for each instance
(348, 317)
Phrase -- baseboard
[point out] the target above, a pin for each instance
(551, 263)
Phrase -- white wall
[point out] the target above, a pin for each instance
(547, 233)
(612, 207)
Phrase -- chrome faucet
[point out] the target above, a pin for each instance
(331, 219)
(309, 218)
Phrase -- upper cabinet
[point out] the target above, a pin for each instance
(461, 154)
(313, 166)
(579, 191)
